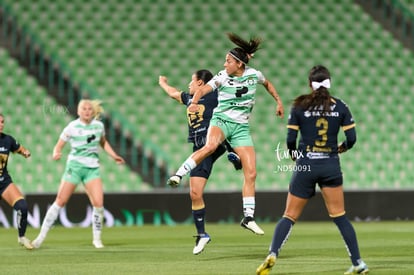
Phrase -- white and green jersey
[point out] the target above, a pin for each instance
(236, 95)
(84, 140)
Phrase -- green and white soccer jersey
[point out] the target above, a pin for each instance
(84, 140)
(236, 95)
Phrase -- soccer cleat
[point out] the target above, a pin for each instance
(36, 243)
(249, 223)
(23, 241)
(174, 181)
(201, 242)
(98, 244)
(235, 159)
(267, 265)
(362, 268)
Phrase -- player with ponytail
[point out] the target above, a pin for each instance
(236, 86)
(318, 117)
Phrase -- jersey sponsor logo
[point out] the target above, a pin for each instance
(240, 91)
(319, 113)
(202, 129)
(90, 138)
(241, 104)
(315, 155)
(3, 149)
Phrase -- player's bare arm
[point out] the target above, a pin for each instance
(170, 90)
(280, 111)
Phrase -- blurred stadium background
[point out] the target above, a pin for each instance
(55, 52)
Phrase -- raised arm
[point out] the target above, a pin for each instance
(280, 111)
(171, 91)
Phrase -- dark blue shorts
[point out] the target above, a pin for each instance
(308, 173)
(5, 181)
(203, 170)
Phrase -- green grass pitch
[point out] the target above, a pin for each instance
(313, 248)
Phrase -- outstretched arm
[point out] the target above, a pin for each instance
(108, 148)
(171, 91)
(23, 151)
(280, 111)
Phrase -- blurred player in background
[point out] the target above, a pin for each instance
(85, 135)
(8, 190)
(318, 117)
(198, 123)
(236, 86)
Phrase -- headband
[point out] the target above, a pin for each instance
(234, 54)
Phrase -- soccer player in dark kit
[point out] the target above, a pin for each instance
(318, 117)
(8, 190)
(198, 123)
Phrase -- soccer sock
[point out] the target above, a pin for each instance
(50, 218)
(21, 209)
(198, 216)
(185, 168)
(349, 236)
(97, 221)
(249, 205)
(281, 235)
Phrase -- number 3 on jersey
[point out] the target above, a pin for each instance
(322, 123)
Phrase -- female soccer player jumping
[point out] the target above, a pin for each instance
(236, 86)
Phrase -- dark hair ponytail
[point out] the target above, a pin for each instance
(320, 96)
(245, 49)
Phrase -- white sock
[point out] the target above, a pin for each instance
(97, 222)
(249, 205)
(50, 218)
(185, 168)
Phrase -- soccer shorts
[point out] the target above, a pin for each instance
(203, 170)
(325, 173)
(5, 180)
(237, 134)
(76, 173)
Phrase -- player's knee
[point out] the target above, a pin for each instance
(250, 175)
(21, 206)
(210, 148)
(195, 195)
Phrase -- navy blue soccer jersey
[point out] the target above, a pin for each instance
(319, 130)
(7, 144)
(198, 122)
